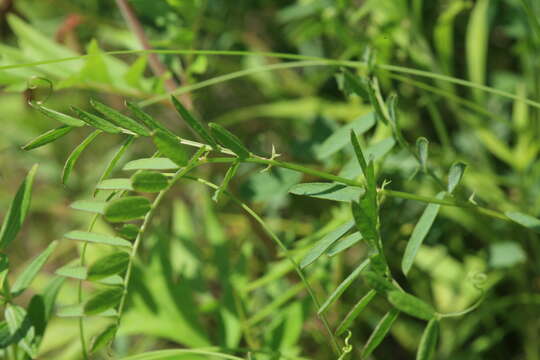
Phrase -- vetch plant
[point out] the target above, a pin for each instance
(131, 202)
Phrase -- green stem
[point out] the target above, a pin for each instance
(146, 221)
(285, 250)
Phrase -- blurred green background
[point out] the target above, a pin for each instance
(206, 271)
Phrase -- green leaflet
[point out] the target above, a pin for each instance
(354, 84)
(103, 338)
(91, 206)
(19, 328)
(411, 305)
(422, 149)
(454, 175)
(528, 221)
(127, 209)
(194, 124)
(328, 191)
(344, 243)
(380, 332)
(47, 137)
(320, 247)
(129, 231)
(103, 300)
(170, 147)
(97, 238)
(366, 222)
(77, 311)
(149, 181)
(74, 272)
(340, 138)
(419, 233)
(229, 140)
(96, 121)
(63, 118)
(343, 286)
(355, 311)
(119, 119)
(151, 123)
(17, 211)
(151, 164)
(109, 265)
(74, 156)
(115, 184)
(30, 272)
(5, 336)
(378, 282)
(110, 167)
(428, 342)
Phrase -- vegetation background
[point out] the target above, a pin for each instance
(207, 274)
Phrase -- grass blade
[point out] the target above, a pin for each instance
(17, 211)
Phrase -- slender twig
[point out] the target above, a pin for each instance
(158, 68)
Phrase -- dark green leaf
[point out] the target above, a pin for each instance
(328, 191)
(17, 211)
(419, 233)
(47, 137)
(378, 282)
(103, 300)
(428, 342)
(229, 140)
(454, 175)
(170, 147)
(320, 247)
(74, 156)
(97, 238)
(411, 305)
(525, 220)
(19, 326)
(149, 182)
(109, 265)
(63, 118)
(5, 335)
(355, 311)
(127, 209)
(355, 84)
(120, 119)
(104, 338)
(96, 121)
(380, 332)
(129, 231)
(30, 272)
(193, 123)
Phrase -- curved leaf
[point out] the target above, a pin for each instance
(380, 332)
(74, 156)
(30, 272)
(47, 137)
(96, 121)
